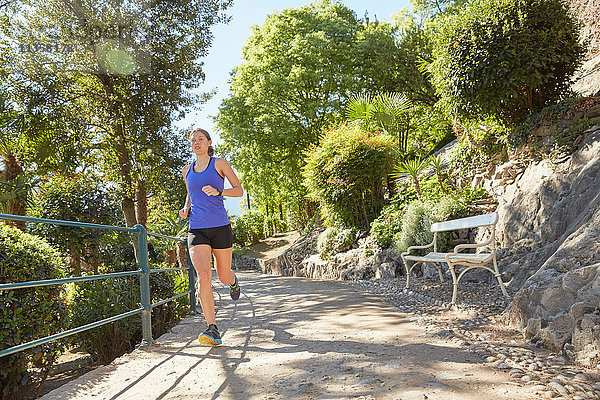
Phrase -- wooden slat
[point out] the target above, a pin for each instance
(465, 223)
(441, 257)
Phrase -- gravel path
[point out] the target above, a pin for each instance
(476, 324)
(301, 339)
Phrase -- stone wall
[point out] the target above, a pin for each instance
(368, 261)
(549, 230)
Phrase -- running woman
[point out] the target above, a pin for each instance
(210, 231)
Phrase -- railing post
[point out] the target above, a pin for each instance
(191, 279)
(142, 239)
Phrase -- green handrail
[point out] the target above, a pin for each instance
(143, 272)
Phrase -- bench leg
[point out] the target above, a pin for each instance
(497, 275)
(407, 272)
(454, 283)
(439, 269)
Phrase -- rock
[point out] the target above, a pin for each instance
(413, 395)
(558, 387)
(551, 226)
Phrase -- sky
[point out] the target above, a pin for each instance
(226, 52)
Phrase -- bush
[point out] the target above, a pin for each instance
(75, 199)
(505, 57)
(419, 216)
(335, 240)
(249, 227)
(96, 300)
(388, 224)
(28, 314)
(346, 172)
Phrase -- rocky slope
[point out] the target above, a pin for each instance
(550, 230)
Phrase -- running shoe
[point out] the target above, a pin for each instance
(210, 337)
(234, 290)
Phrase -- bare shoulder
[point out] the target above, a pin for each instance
(185, 169)
(220, 161)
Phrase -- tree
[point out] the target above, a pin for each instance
(300, 67)
(130, 69)
(75, 198)
(505, 58)
(412, 169)
(382, 112)
(346, 174)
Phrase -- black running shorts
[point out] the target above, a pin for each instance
(220, 237)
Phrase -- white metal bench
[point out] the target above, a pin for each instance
(469, 260)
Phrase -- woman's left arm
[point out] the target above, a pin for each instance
(223, 167)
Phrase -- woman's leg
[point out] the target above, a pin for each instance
(201, 258)
(223, 261)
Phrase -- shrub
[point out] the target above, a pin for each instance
(345, 173)
(419, 216)
(387, 224)
(28, 314)
(95, 300)
(335, 240)
(505, 57)
(74, 199)
(249, 227)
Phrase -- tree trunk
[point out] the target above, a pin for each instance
(141, 202)
(75, 262)
(182, 257)
(17, 206)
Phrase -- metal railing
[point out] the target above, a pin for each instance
(143, 272)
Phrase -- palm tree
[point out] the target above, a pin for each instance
(413, 169)
(384, 111)
(438, 165)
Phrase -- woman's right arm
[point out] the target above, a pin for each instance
(184, 212)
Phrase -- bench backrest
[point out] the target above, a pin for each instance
(465, 223)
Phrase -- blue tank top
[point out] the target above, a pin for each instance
(206, 211)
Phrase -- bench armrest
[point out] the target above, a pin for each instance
(407, 252)
(471, 246)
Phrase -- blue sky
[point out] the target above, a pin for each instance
(226, 51)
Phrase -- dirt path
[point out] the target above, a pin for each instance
(272, 246)
(291, 338)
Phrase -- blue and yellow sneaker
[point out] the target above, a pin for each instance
(210, 337)
(234, 290)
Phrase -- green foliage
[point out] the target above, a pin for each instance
(428, 128)
(346, 174)
(95, 300)
(412, 169)
(335, 240)
(505, 58)
(80, 199)
(479, 142)
(419, 216)
(388, 223)
(385, 112)
(249, 227)
(273, 225)
(552, 115)
(298, 69)
(28, 314)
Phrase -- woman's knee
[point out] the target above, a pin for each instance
(204, 274)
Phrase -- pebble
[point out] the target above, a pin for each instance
(558, 387)
(549, 375)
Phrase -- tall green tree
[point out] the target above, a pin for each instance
(505, 58)
(131, 69)
(300, 68)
